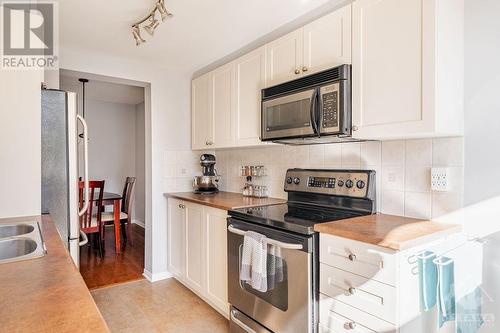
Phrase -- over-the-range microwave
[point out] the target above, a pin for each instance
(311, 109)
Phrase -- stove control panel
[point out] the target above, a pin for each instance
(351, 183)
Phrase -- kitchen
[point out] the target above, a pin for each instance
(421, 113)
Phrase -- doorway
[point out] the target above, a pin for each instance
(115, 113)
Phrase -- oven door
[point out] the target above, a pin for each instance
(287, 306)
(290, 116)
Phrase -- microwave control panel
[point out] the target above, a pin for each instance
(330, 106)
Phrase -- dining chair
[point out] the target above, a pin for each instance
(91, 221)
(126, 209)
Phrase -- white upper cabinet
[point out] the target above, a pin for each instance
(250, 78)
(202, 134)
(284, 58)
(222, 85)
(407, 67)
(319, 45)
(327, 41)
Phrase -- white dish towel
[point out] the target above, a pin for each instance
(254, 261)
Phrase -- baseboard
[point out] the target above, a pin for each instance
(139, 223)
(157, 276)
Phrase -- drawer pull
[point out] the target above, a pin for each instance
(350, 326)
(351, 291)
(351, 257)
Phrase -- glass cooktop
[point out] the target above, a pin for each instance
(293, 217)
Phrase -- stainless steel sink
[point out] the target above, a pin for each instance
(21, 241)
(15, 230)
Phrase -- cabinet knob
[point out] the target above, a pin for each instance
(209, 143)
(304, 69)
(351, 257)
(297, 71)
(351, 291)
(354, 128)
(181, 206)
(350, 326)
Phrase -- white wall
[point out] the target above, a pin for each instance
(20, 170)
(139, 208)
(112, 142)
(167, 127)
(482, 137)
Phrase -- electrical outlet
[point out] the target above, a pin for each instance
(440, 179)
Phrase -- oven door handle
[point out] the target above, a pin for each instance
(288, 246)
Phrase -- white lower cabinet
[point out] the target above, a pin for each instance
(197, 250)
(216, 257)
(368, 288)
(195, 275)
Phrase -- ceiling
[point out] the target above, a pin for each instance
(102, 91)
(201, 31)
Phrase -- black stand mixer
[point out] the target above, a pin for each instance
(208, 183)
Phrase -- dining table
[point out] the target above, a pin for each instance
(113, 199)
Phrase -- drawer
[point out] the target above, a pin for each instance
(337, 317)
(363, 259)
(370, 296)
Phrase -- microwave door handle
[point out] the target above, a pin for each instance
(312, 112)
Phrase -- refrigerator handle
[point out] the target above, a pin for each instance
(85, 165)
(85, 239)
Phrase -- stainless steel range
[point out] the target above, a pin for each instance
(290, 303)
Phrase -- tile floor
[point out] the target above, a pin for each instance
(164, 306)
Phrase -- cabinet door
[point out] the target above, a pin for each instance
(390, 40)
(216, 258)
(250, 78)
(195, 247)
(202, 116)
(327, 41)
(176, 237)
(284, 58)
(221, 103)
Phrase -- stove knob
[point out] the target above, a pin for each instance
(288, 180)
(360, 184)
(349, 183)
(296, 181)
(340, 183)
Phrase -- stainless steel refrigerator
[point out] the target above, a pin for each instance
(60, 165)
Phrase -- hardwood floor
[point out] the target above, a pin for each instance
(113, 268)
(163, 306)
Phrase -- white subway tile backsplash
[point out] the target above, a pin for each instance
(351, 155)
(402, 167)
(393, 178)
(417, 178)
(393, 202)
(371, 153)
(418, 205)
(333, 156)
(419, 152)
(446, 203)
(317, 156)
(393, 152)
(448, 152)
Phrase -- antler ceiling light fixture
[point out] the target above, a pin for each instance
(153, 23)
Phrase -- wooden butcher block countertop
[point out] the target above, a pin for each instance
(225, 200)
(46, 294)
(389, 231)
